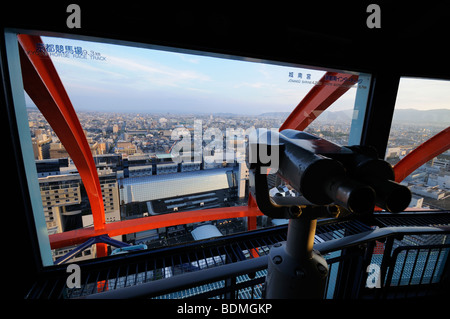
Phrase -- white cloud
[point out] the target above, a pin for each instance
(160, 75)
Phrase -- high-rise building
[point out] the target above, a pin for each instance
(66, 205)
(57, 150)
(60, 194)
(242, 179)
(110, 194)
(41, 146)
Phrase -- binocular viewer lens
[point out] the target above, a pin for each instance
(391, 196)
(326, 173)
(354, 196)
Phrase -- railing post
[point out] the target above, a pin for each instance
(350, 273)
(363, 275)
(388, 261)
(230, 283)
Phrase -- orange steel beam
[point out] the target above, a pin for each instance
(251, 220)
(43, 85)
(78, 236)
(422, 154)
(330, 88)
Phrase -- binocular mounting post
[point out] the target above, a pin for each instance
(295, 269)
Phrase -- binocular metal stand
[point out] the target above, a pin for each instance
(295, 269)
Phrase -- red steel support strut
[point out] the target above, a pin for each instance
(43, 85)
(422, 154)
(330, 88)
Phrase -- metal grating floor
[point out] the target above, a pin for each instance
(156, 264)
(414, 219)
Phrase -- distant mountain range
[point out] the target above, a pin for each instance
(337, 116)
(437, 116)
(406, 116)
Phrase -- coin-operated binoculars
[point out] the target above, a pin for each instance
(330, 178)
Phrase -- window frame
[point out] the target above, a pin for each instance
(20, 130)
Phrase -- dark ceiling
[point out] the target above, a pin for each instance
(413, 38)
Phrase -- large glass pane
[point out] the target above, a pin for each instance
(422, 110)
(167, 130)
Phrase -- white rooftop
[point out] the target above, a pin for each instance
(205, 232)
(147, 188)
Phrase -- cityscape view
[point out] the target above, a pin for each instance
(162, 137)
(139, 176)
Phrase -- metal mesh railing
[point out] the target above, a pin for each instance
(235, 266)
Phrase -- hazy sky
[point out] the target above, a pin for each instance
(146, 80)
(423, 94)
